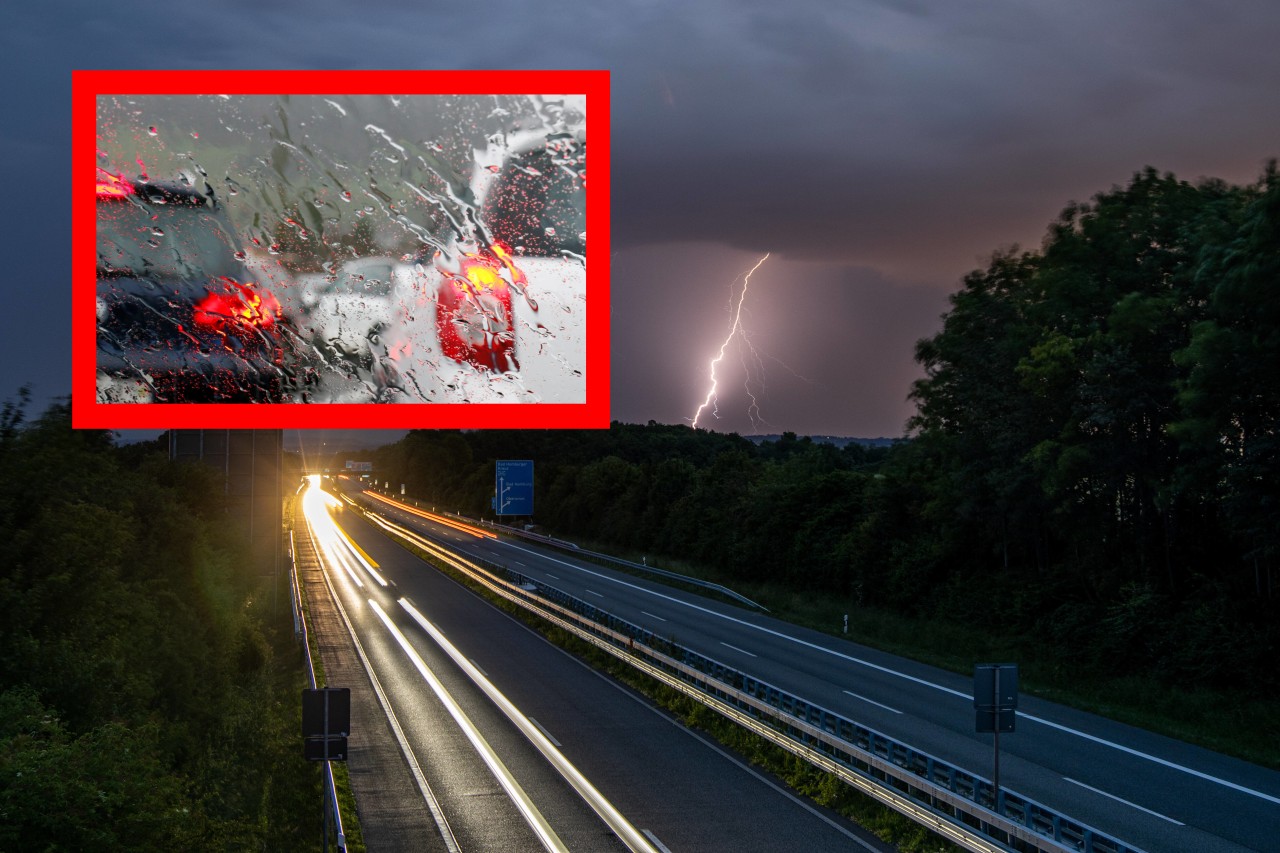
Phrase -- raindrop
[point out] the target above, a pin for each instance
(240, 256)
(346, 195)
(549, 231)
(274, 248)
(195, 135)
(159, 232)
(152, 130)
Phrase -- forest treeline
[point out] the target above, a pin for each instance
(1094, 461)
(142, 706)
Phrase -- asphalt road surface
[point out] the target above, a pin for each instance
(427, 639)
(1151, 791)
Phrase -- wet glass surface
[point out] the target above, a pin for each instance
(349, 249)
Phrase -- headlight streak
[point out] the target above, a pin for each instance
(623, 828)
(356, 551)
(608, 813)
(528, 810)
(436, 517)
(337, 547)
(433, 804)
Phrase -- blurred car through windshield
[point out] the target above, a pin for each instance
(179, 318)
(509, 302)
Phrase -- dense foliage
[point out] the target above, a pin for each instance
(1094, 461)
(141, 705)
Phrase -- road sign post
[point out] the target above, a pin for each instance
(995, 702)
(326, 723)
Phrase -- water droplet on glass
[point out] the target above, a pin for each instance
(152, 130)
(159, 232)
(240, 256)
(274, 248)
(550, 232)
(346, 195)
(195, 135)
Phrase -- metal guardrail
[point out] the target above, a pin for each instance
(607, 559)
(958, 804)
(300, 632)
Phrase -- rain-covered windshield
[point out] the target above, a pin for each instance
(164, 241)
(538, 204)
(361, 216)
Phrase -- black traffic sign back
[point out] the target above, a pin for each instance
(995, 696)
(326, 712)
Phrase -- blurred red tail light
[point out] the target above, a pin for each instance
(473, 311)
(110, 186)
(237, 308)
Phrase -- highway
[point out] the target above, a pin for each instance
(1153, 792)
(523, 747)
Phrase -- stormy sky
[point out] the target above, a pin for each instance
(878, 150)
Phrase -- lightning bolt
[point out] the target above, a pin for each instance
(733, 330)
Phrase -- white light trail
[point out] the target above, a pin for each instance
(733, 330)
(337, 547)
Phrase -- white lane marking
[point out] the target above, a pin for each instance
(553, 577)
(872, 702)
(729, 757)
(656, 843)
(593, 592)
(1242, 789)
(433, 805)
(965, 696)
(518, 563)
(519, 798)
(623, 828)
(736, 649)
(653, 615)
(543, 729)
(1120, 800)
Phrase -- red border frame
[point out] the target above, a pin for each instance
(86, 86)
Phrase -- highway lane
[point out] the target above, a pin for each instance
(669, 783)
(1152, 791)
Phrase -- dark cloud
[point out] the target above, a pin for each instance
(886, 147)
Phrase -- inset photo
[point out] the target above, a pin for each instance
(340, 249)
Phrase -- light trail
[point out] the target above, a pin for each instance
(436, 517)
(335, 544)
(733, 330)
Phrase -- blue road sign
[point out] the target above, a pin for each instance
(513, 487)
